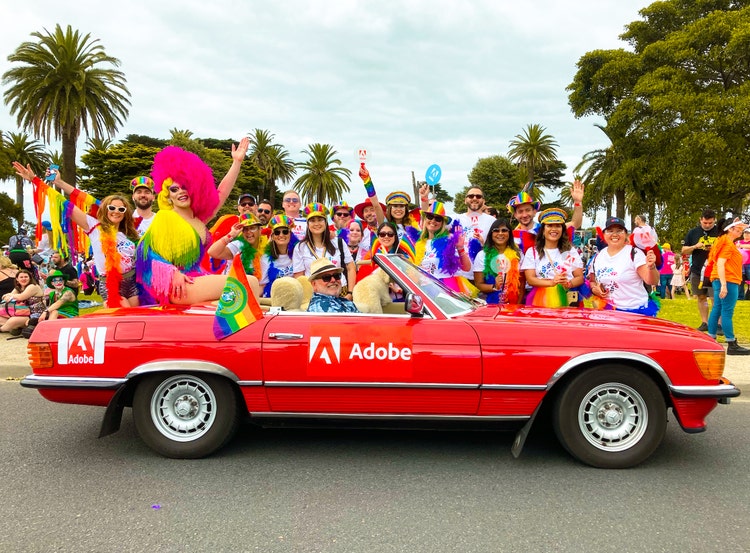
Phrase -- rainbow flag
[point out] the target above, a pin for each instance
(237, 306)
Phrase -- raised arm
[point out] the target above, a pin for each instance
(364, 174)
(227, 183)
(78, 216)
(576, 193)
(219, 249)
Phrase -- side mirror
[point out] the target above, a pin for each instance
(414, 304)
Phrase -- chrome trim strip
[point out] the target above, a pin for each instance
(610, 355)
(285, 336)
(519, 387)
(303, 384)
(717, 391)
(250, 383)
(34, 381)
(182, 365)
(391, 416)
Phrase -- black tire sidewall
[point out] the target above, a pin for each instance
(226, 417)
(565, 416)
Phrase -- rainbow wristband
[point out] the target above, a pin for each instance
(369, 188)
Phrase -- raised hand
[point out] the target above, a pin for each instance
(239, 152)
(25, 173)
(576, 191)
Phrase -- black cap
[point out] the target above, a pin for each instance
(615, 222)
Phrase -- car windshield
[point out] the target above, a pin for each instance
(450, 302)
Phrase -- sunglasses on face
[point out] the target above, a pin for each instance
(58, 279)
(175, 188)
(386, 234)
(279, 231)
(436, 218)
(254, 228)
(247, 204)
(266, 211)
(327, 278)
(119, 209)
(343, 214)
(291, 200)
(474, 196)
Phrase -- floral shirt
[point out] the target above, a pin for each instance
(323, 303)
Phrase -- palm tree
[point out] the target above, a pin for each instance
(534, 150)
(320, 180)
(18, 147)
(61, 88)
(98, 144)
(603, 184)
(272, 159)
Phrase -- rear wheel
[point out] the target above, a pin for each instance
(610, 417)
(185, 416)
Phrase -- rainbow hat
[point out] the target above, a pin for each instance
(553, 216)
(438, 208)
(249, 220)
(142, 182)
(280, 221)
(520, 199)
(315, 209)
(397, 197)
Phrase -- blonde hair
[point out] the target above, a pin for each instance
(6, 263)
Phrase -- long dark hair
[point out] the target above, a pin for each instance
(327, 243)
(32, 279)
(563, 244)
(500, 223)
(394, 228)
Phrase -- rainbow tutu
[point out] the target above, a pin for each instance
(548, 296)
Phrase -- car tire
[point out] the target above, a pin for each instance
(610, 416)
(185, 416)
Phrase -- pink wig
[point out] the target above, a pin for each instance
(188, 170)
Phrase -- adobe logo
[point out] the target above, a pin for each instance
(81, 346)
(325, 347)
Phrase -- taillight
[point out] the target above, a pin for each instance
(710, 363)
(40, 355)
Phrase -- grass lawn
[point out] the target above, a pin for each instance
(680, 310)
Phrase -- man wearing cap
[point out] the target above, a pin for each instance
(246, 204)
(325, 278)
(524, 208)
(698, 242)
(143, 199)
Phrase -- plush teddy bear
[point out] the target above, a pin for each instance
(287, 293)
(370, 294)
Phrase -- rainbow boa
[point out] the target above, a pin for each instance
(273, 271)
(170, 245)
(510, 292)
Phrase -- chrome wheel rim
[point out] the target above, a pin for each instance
(183, 408)
(613, 417)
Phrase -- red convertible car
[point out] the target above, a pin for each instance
(606, 379)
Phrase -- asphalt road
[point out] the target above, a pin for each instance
(370, 491)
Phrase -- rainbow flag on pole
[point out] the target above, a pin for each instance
(237, 306)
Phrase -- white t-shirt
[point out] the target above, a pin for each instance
(430, 261)
(618, 275)
(283, 264)
(299, 228)
(504, 263)
(144, 224)
(475, 225)
(552, 262)
(125, 246)
(303, 257)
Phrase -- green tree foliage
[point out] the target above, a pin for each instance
(498, 178)
(19, 147)
(677, 108)
(63, 86)
(534, 150)
(272, 159)
(110, 171)
(322, 179)
(10, 211)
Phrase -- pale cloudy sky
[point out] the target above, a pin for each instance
(415, 82)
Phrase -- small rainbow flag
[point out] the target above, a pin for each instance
(237, 307)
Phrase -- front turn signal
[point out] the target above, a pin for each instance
(710, 363)
(40, 355)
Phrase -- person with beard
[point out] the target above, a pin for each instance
(475, 224)
(143, 199)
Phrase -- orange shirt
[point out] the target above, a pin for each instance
(725, 248)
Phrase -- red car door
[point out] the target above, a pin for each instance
(364, 364)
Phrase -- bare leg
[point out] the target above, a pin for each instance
(703, 307)
(14, 322)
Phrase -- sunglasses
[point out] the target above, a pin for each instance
(431, 217)
(386, 234)
(57, 279)
(327, 278)
(175, 188)
(266, 211)
(291, 200)
(503, 230)
(343, 214)
(474, 196)
(279, 231)
(247, 204)
(119, 209)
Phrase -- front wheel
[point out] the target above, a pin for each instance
(610, 417)
(184, 416)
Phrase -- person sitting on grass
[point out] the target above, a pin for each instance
(62, 301)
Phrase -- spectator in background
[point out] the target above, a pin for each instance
(678, 276)
(20, 249)
(666, 271)
(725, 265)
(58, 262)
(24, 300)
(62, 301)
(698, 242)
(744, 246)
